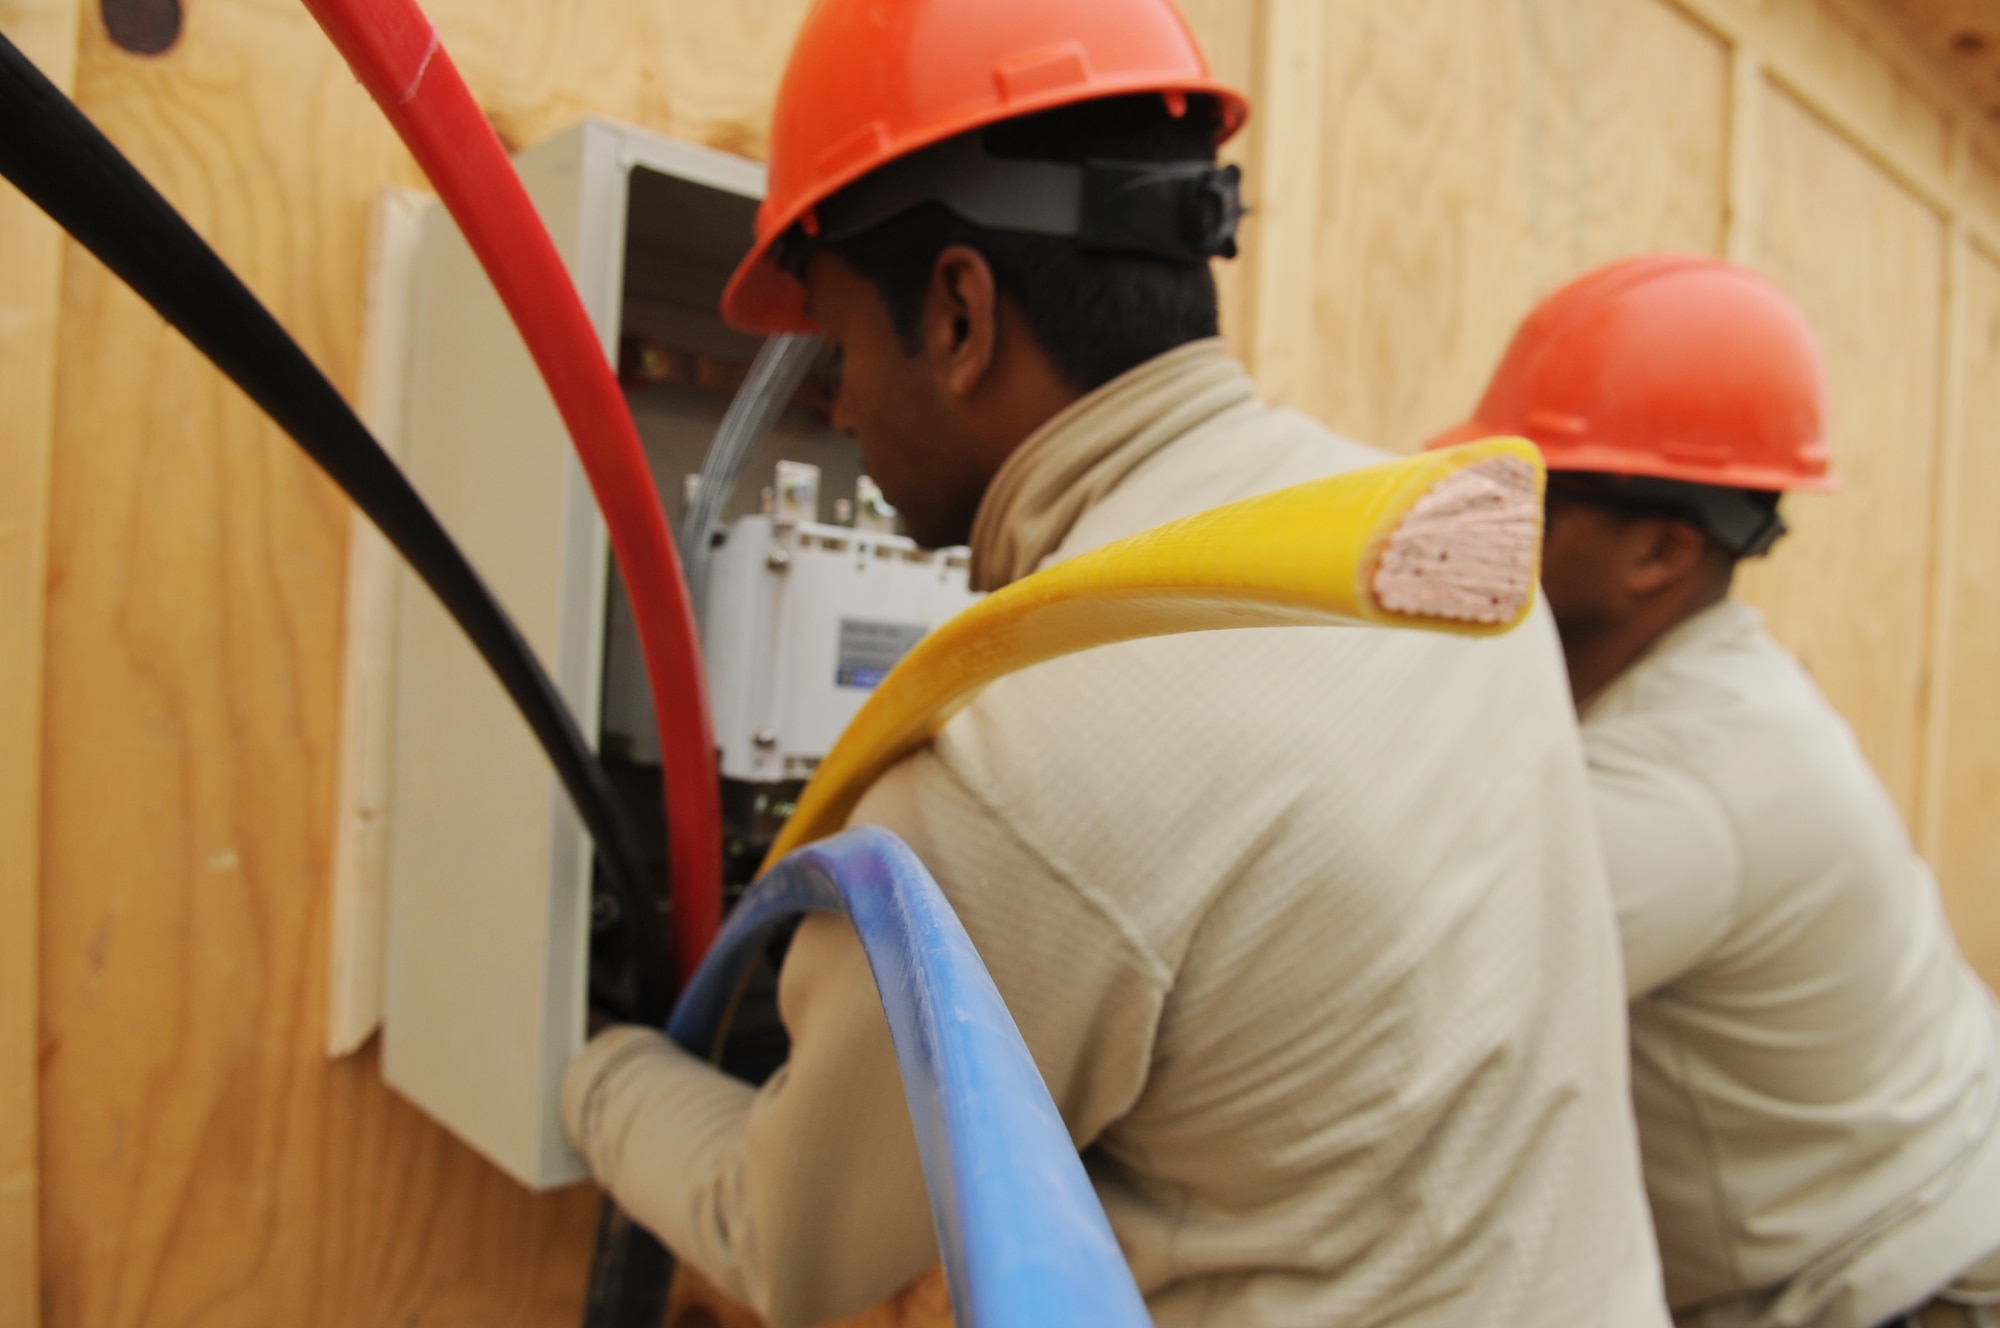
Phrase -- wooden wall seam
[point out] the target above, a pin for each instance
(1746, 92)
(1891, 40)
(1948, 508)
(1290, 56)
(1968, 745)
(1813, 89)
(31, 255)
(1779, 66)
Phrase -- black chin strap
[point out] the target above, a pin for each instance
(1180, 211)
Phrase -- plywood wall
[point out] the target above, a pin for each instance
(1424, 171)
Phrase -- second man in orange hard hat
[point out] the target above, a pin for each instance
(1815, 1068)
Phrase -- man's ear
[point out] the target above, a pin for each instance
(961, 319)
(1662, 553)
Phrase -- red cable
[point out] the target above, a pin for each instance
(395, 52)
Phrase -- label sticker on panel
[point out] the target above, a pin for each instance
(869, 649)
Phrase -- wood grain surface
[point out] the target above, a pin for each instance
(31, 261)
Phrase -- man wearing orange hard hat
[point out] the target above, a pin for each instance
(1307, 929)
(1814, 1065)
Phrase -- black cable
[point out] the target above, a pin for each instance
(52, 152)
(631, 1274)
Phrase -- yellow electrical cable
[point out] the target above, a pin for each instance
(1303, 556)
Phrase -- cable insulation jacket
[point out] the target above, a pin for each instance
(53, 153)
(1024, 1239)
(395, 52)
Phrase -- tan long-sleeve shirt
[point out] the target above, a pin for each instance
(1306, 929)
(1815, 1068)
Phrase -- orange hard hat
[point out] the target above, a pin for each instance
(1669, 367)
(871, 81)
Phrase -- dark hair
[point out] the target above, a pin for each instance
(1095, 315)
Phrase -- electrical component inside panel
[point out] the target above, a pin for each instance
(805, 618)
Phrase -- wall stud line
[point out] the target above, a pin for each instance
(1946, 510)
(1812, 92)
(1291, 59)
(1785, 68)
(1747, 79)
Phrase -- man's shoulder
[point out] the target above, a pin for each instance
(1132, 740)
(1719, 674)
(1734, 713)
(1257, 449)
(1239, 454)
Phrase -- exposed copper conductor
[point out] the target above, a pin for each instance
(1466, 551)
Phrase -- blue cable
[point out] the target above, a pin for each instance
(1024, 1239)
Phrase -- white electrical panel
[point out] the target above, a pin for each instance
(803, 621)
(486, 941)
(483, 892)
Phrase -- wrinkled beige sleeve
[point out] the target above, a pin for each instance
(805, 1198)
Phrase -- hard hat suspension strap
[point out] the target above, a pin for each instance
(1743, 521)
(1181, 211)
